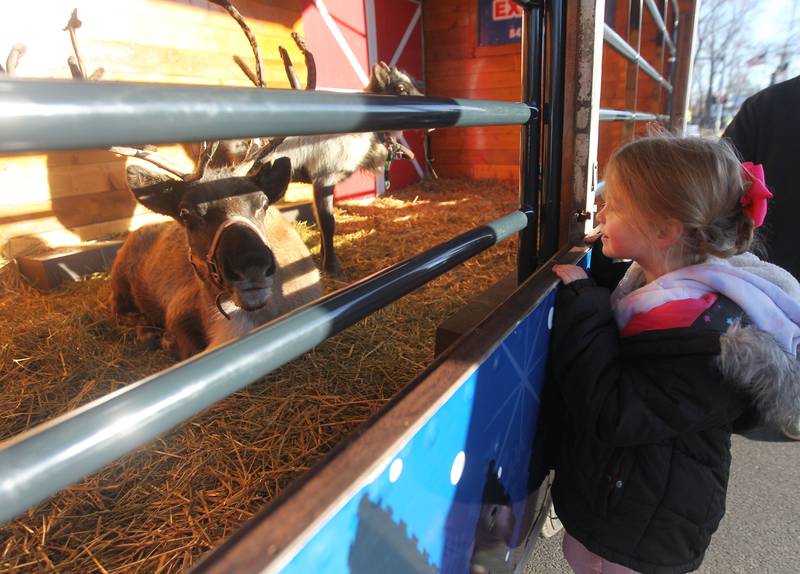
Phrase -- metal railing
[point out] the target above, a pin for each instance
(53, 114)
(659, 22)
(630, 53)
(615, 41)
(64, 114)
(41, 461)
(608, 115)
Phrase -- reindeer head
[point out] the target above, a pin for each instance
(223, 216)
(388, 80)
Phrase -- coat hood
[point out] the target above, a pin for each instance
(760, 356)
(753, 362)
(768, 295)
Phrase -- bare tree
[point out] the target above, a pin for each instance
(723, 46)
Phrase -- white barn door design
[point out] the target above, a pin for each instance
(347, 37)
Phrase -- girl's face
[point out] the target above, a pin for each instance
(621, 238)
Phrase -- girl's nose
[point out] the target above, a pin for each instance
(601, 215)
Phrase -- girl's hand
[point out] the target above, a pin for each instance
(569, 273)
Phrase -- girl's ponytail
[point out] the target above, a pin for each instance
(728, 235)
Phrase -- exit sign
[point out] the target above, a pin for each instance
(500, 22)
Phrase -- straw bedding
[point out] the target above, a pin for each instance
(158, 509)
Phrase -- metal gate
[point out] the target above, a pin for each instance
(416, 483)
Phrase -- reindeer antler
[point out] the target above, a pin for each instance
(311, 84)
(78, 73)
(287, 65)
(17, 51)
(76, 66)
(258, 79)
(150, 157)
(73, 24)
(246, 69)
(311, 65)
(250, 37)
(207, 151)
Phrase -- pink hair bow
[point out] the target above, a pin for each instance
(754, 200)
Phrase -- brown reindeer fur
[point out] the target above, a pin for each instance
(153, 276)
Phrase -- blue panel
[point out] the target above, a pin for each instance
(459, 485)
(499, 22)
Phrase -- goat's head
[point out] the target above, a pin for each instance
(223, 216)
(388, 80)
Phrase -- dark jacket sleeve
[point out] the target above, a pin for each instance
(742, 131)
(605, 271)
(625, 396)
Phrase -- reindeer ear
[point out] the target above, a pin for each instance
(156, 191)
(379, 79)
(273, 178)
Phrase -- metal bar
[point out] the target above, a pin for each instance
(550, 208)
(609, 115)
(616, 115)
(269, 542)
(621, 46)
(41, 461)
(634, 39)
(673, 59)
(530, 148)
(675, 13)
(659, 21)
(62, 114)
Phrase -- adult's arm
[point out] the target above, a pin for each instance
(743, 130)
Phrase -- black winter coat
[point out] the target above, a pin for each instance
(643, 465)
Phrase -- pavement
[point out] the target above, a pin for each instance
(760, 533)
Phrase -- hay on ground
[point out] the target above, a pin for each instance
(161, 507)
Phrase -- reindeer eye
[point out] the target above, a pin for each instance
(184, 213)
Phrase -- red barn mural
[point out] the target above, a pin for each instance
(347, 38)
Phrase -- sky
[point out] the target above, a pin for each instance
(772, 23)
(767, 29)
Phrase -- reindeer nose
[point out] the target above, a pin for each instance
(244, 256)
(255, 267)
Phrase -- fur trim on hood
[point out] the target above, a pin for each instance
(754, 362)
(751, 358)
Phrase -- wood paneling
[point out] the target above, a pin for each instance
(62, 197)
(457, 67)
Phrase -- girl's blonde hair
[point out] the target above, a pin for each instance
(695, 181)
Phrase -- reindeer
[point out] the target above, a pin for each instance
(226, 264)
(323, 161)
(327, 160)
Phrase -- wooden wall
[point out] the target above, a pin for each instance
(60, 198)
(455, 66)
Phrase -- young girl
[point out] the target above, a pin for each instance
(697, 336)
